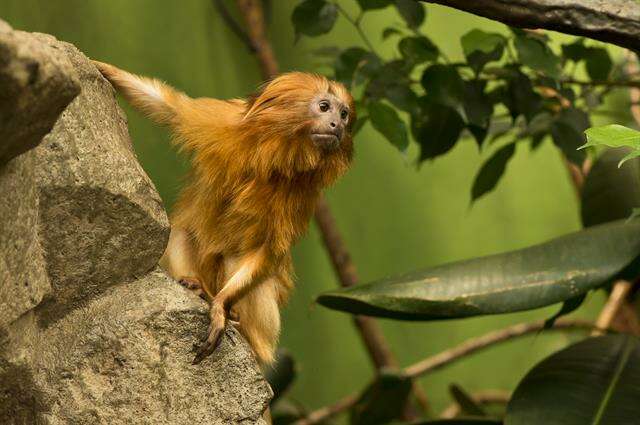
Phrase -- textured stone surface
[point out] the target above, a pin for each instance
(90, 331)
(84, 215)
(36, 84)
(125, 358)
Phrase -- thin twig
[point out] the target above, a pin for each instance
(450, 356)
(233, 25)
(612, 307)
(356, 23)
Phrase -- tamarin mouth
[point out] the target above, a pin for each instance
(325, 140)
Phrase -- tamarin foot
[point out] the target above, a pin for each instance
(195, 286)
(218, 320)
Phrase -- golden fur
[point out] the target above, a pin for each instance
(256, 177)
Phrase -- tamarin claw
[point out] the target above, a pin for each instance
(218, 320)
(195, 286)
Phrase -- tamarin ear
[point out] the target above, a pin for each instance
(152, 97)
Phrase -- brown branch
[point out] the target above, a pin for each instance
(613, 21)
(450, 356)
(253, 15)
(233, 25)
(617, 299)
(371, 334)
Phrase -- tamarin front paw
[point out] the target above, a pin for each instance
(218, 321)
(194, 285)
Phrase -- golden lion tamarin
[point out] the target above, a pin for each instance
(258, 166)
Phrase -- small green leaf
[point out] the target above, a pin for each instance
(374, 4)
(478, 108)
(599, 63)
(436, 128)
(314, 17)
(525, 279)
(537, 55)
(354, 64)
(592, 382)
(443, 84)
(491, 171)
(390, 31)
(412, 12)
(481, 47)
(629, 156)
(567, 132)
(575, 51)
(383, 400)
(612, 135)
(417, 50)
(520, 98)
(569, 306)
(610, 193)
(385, 119)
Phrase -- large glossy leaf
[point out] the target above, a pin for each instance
(610, 193)
(529, 278)
(592, 382)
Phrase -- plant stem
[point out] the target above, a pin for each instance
(356, 23)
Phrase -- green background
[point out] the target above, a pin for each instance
(395, 216)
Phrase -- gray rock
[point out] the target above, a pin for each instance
(87, 216)
(125, 358)
(36, 84)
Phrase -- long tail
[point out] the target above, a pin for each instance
(152, 97)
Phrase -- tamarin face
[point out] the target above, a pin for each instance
(330, 116)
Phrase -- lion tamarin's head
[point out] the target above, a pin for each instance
(302, 122)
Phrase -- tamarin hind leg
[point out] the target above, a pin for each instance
(179, 261)
(259, 318)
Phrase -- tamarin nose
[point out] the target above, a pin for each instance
(332, 124)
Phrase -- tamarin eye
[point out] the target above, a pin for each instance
(344, 114)
(324, 106)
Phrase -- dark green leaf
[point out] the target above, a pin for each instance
(374, 4)
(610, 193)
(520, 98)
(436, 128)
(491, 171)
(525, 279)
(281, 374)
(568, 130)
(389, 31)
(569, 306)
(314, 17)
(478, 108)
(599, 64)
(444, 84)
(385, 119)
(417, 50)
(575, 51)
(392, 82)
(537, 55)
(467, 404)
(353, 63)
(412, 11)
(286, 412)
(383, 400)
(481, 47)
(592, 382)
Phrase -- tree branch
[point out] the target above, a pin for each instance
(449, 356)
(613, 305)
(612, 21)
